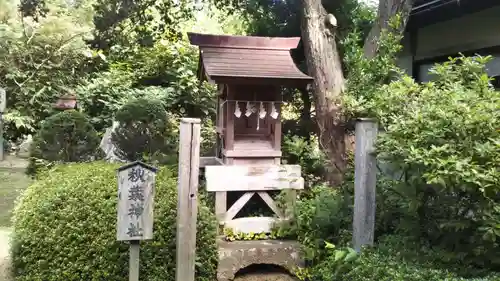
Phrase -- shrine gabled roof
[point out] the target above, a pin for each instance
(244, 59)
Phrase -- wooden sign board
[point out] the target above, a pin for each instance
(3, 100)
(255, 178)
(136, 189)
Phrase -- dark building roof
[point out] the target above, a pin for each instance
(248, 59)
(427, 12)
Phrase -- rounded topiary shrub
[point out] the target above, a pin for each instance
(67, 136)
(145, 129)
(64, 229)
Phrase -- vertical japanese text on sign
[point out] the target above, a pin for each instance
(136, 194)
(135, 206)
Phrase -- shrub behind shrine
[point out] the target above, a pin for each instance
(65, 229)
(67, 136)
(145, 130)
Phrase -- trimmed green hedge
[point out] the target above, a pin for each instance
(65, 229)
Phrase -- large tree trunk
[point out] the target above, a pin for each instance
(324, 64)
(386, 10)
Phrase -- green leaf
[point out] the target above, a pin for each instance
(350, 257)
(340, 255)
(102, 56)
(329, 245)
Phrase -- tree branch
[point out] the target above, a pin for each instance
(44, 61)
(387, 9)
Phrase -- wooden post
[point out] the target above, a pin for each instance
(187, 198)
(364, 183)
(3, 104)
(230, 107)
(136, 191)
(134, 260)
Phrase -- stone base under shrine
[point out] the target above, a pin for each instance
(236, 255)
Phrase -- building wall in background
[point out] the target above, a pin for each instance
(468, 33)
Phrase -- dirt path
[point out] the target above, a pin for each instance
(4, 253)
(14, 162)
(12, 182)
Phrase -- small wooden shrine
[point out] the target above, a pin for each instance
(250, 73)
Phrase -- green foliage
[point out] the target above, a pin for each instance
(230, 235)
(102, 96)
(65, 229)
(444, 136)
(441, 142)
(144, 130)
(165, 71)
(365, 75)
(34, 9)
(172, 65)
(282, 18)
(49, 57)
(139, 23)
(302, 273)
(40, 60)
(67, 136)
(325, 215)
(321, 214)
(394, 258)
(297, 150)
(338, 263)
(210, 20)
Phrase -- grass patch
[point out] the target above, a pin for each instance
(12, 182)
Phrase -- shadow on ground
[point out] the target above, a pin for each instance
(263, 272)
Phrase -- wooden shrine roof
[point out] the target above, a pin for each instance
(248, 59)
